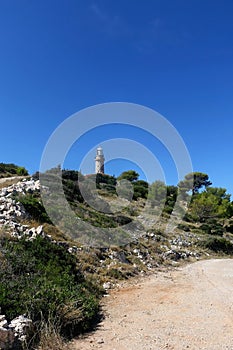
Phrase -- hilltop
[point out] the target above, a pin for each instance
(11, 170)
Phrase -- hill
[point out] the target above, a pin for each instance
(44, 266)
(10, 170)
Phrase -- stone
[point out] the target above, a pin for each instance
(39, 229)
(3, 321)
(100, 341)
(6, 338)
(122, 258)
(107, 285)
(21, 327)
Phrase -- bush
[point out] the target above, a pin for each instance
(122, 220)
(188, 217)
(42, 280)
(213, 228)
(72, 191)
(206, 228)
(218, 230)
(34, 208)
(105, 179)
(21, 171)
(12, 170)
(183, 227)
(218, 244)
(229, 227)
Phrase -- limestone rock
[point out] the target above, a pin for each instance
(6, 338)
(21, 326)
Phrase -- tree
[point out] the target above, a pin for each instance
(194, 182)
(129, 175)
(140, 188)
(220, 193)
(157, 193)
(105, 179)
(205, 206)
(21, 171)
(172, 192)
(224, 200)
(213, 203)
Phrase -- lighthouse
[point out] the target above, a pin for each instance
(99, 161)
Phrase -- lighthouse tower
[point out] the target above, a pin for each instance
(99, 161)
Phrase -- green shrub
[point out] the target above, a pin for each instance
(115, 273)
(140, 189)
(188, 217)
(12, 170)
(122, 220)
(105, 179)
(42, 280)
(34, 208)
(21, 171)
(167, 209)
(229, 227)
(213, 228)
(218, 244)
(183, 227)
(72, 191)
(218, 230)
(206, 228)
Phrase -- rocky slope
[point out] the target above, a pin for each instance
(152, 250)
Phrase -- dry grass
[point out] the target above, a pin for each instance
(50, 339)
(5, 182)
(4, 233)
(56, 234)
(49, 229)
(29, 222)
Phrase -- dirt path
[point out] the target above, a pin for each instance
(7, 181)
(190, 308)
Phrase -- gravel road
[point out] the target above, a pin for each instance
(188, 308)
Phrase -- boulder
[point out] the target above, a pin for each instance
(7, 338)
(21, 327)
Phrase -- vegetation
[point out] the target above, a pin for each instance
(140, 189)
(129, 175)
(44, 281)
(34, 208)
(157, 194)
(171, 197)
(61, 291)
(213, 203)
(9, 170)
(209, 207)
(194, 182)
(218, 245)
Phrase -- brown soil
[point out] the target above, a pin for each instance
(8, 181)
(188, 308)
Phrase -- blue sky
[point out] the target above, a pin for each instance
(176, 57)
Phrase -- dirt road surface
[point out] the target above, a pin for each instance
(188, 308)
(7, 181)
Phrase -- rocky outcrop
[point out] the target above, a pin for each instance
(13, 334)
(11, 210)
(141, 256)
